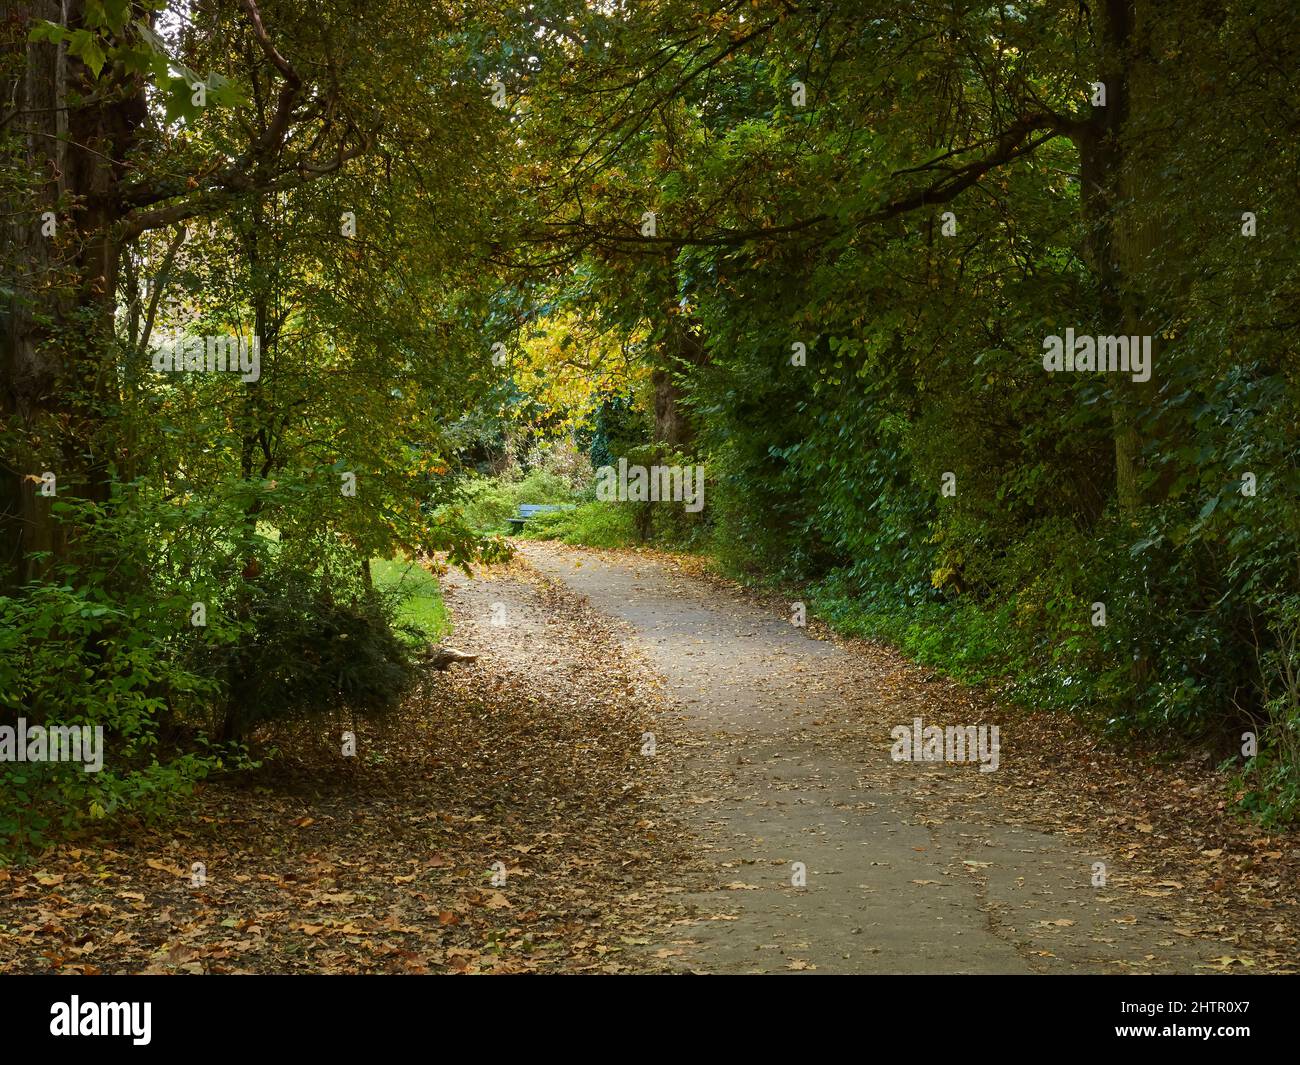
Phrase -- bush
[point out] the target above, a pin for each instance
(1269, 783)
(68, 657)
(488, 501)
(588, 524)
(312, 642)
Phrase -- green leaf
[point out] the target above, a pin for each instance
(86, 46)
(47, 31)
(178, 101)
(94, 14)
(150, 38)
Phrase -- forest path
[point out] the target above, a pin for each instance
(783, 757)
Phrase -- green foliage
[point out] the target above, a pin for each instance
(1269, 783)
(588, 524)
(488, 501)
(219, 174)
(313, 641)
(420, 612)
(71, 656)
(619, 425)
(667, 521)
(819, 224)
(824, 225)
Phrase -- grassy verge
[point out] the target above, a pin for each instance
(421, 607)
(587, 525)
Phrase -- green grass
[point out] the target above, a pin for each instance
(587, 525)
(421, 604)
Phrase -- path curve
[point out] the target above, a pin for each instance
(784, 758)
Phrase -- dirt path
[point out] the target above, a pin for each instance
(783, 758)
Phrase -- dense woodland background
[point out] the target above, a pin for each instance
(434, 216)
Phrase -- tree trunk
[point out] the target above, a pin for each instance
(1122, 222)
(58, 346)
(672, 422)
(1121, 231)
(30, 367)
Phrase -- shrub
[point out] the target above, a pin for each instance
(69, 657)
(588, 524)
(488, 501)
(312, 642)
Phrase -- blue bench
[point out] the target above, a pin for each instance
(531, 510)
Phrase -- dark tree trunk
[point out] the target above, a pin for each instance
(1117, 250)
(58, 347)
(672, 421)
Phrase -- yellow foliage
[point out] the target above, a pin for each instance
(569, 366)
